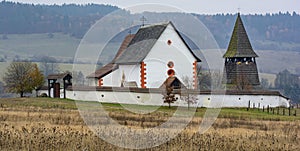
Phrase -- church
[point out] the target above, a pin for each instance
(158, 56)
(146, 59)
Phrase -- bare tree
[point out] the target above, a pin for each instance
(186, 92)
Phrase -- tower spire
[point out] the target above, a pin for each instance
(240, 65)
(239, 45)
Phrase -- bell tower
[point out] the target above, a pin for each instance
(240, 70)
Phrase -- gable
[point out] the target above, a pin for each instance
(143, 42)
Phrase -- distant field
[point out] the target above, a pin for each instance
(62, 46)
(26, 45)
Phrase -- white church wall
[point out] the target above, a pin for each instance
(204, 100)
(157, 59)
(113, 79)
(131, 72)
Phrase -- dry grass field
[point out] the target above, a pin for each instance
(55, 124)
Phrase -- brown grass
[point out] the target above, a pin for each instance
(34, 128)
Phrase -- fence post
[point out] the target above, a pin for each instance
(273, 110)
(248, 105)
(290, 111)
(295, 113)
(277, 110)
(268, 108)
(283, 112)
(263, 108)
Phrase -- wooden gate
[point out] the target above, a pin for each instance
(56, 90)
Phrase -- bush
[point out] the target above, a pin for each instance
(43, 95)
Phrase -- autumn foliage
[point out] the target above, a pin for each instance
(23, 77)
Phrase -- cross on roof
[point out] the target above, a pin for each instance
(143, 19)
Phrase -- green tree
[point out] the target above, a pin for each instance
(23, 77)
(169, 96)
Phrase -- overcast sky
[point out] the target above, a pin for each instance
(197, 6)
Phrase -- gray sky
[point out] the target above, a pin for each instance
(197, 6)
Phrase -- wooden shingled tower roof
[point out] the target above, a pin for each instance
(239, 45)
(240, 65)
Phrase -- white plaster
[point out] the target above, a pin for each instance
(161, 53)
(204, 100)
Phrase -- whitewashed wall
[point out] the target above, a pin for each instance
(40, 92)
(131, 72)
(161, 53)
(206, 100)
(112, 79)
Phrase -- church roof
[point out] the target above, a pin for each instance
(108, 68)
(59, 76)
(143, 42)
(239, 45)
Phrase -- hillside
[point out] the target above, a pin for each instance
(272, 31)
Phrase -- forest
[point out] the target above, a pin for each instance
(266, 31)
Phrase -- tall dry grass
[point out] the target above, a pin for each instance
(32, 128)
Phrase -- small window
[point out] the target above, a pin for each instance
(169, 42)
(239, 98)
(208, 99)
(171, 72)
(170, 64)
(138, 97)
(102, 95)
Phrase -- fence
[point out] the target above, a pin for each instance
(291, 111)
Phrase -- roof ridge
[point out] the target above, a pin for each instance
(156, 24)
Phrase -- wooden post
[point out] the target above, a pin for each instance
(295, 113)
(64, 88)
(263, 108)
(258, 106)
(277, 110)
(248, 105)
(268, 108)
(290, 111)
(49, 89)
(253, 105)
(283, 112)
(273, 110)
